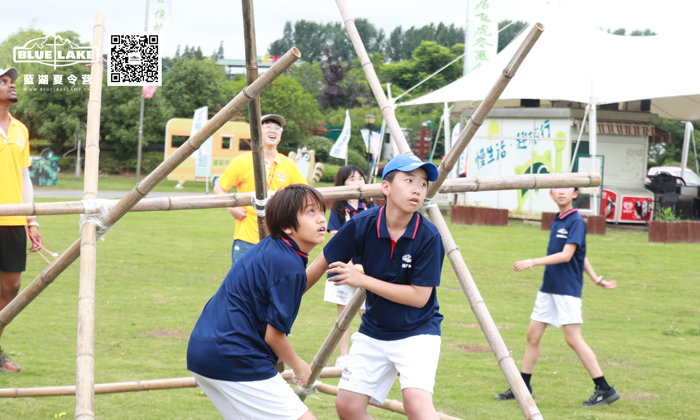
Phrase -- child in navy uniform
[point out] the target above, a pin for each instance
(243, 328)
(341, 212)
(402, 255)
(559, 299)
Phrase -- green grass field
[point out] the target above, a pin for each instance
(157, 270)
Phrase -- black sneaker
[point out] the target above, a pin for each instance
(601, 397)
(508, 394)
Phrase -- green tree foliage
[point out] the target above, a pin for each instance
(670, 154)
(312, 37)
(286, 97)
(192, 84)
(344, 88)
(309, 76)
(401, 44)
(426, 59)
(510, 33)
(636, 32)
(357, 117)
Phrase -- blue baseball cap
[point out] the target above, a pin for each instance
(408, 163)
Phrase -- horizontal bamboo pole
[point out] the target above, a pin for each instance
(477, 119)
(469, 184)
(341, 325)
(134, 386)
(389, 405)
(144, 187)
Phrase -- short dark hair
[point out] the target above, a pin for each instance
(286, 204)
(341, 176)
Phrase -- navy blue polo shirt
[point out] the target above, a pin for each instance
(415, 258)
(566, 278)
(264, 287)
(336, 221)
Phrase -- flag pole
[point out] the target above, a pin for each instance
(143, 104)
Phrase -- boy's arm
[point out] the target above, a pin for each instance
(315, 270)
(597, 280)
(560, 257)
(280, 345)
(405, 294)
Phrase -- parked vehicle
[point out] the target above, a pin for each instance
(690, 178)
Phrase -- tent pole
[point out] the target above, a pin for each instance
(686, 147)
(593, 144)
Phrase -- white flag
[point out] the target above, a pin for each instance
(481, 34)
(158, 15)
(340, 148)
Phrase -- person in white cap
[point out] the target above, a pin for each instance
(281, 171)
(15, 188)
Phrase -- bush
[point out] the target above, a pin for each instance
(323, 145)
(329, 173)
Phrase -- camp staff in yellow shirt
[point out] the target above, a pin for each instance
(281, 171)
(15, 188)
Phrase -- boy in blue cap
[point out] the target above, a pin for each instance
(559, 299)
(243, 328)
(402, 255)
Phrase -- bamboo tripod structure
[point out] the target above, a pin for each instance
(85, 387)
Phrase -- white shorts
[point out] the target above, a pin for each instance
(269, 399)
(373, 365)
(339, 294)
(557, 310)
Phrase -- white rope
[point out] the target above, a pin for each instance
(307, 390)
(95, 210)
(431, 202)
(259, 205)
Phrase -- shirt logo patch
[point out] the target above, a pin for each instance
(562, 233)
(407, 261)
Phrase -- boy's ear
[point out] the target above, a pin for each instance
(288, 231)
(385, 188)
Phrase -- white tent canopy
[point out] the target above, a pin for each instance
(569, 55)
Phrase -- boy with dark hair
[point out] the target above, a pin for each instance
(243, 328)
(559, 299)
(402, 255)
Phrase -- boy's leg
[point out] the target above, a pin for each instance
(352, 406)
(574, 339)
(532, 350)
(418, 404)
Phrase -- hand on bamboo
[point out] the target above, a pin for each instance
(521, 265)
(345, 274)
(238, 213)
(302, 372)
(36, 239)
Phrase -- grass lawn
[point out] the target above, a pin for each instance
(157, 270)
(127, 182)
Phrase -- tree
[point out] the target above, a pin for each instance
(510, 33)
(309, 76)
(192, 84)
(670, 154)
(343, 87)
(427, 58)
(400, 45)
(286, 97)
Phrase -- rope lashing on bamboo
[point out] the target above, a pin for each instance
(259, 205)
(95, 211)
(430, 202)
(307, 391)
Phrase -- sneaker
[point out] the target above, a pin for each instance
(601, 397)
(508, 394)
(342, 361)
(6, 364)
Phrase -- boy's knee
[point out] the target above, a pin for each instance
(417, 403)
(533, 339)
(345, 407)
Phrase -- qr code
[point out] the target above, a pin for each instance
(134, 60)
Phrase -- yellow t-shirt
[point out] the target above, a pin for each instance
(282, 172)
(14, 156)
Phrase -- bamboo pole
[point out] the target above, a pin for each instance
(527, 405)
(254, 114)
(455, 185)
(134, 386)
(465, 136)
(331, 341)
(85, 352)
(144, 187)
(389, 405)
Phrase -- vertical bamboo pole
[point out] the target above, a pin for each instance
(144, 187)
(85, 357)
(527, 404)
(341, 325)
(254, 113)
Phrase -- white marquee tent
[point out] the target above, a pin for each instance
(572, 57)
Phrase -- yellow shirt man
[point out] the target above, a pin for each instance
(14, 156)
(281, 171)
